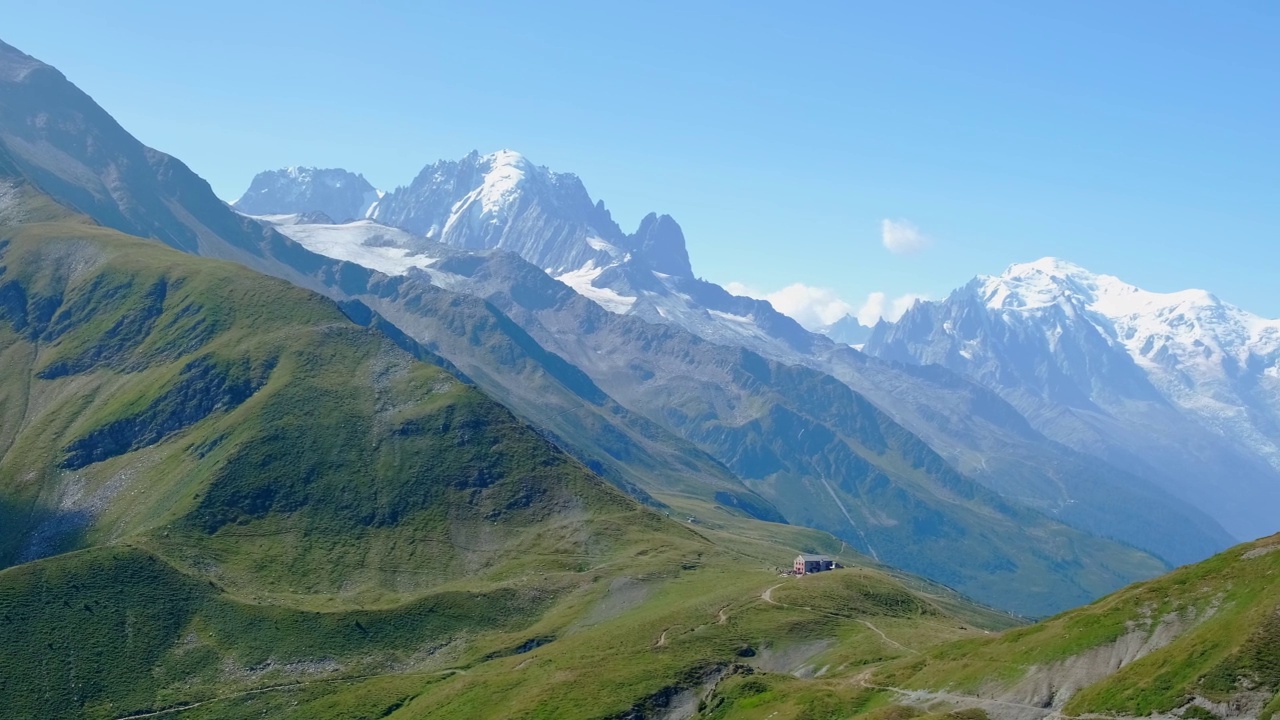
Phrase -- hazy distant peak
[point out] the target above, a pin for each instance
(847, 330)
(338, 193)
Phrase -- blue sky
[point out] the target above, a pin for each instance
(1136, 138)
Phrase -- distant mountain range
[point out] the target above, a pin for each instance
(1174, 392)
(807, 444)
(503, 202)
(1179, 386)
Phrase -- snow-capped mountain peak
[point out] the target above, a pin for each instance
(504, 201)
(1186, 323)
(497, 201)
(1047, 281)
(1054, 331)
(504, 176)
(1048, 266)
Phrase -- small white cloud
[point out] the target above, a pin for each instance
(878, 305)
(812, 307)
(871, 310)
(816, 307)
(902, 237)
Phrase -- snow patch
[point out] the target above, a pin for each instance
(502, 182)
(370, 202)
(283, 219)
(600, 244)
(363, 242)
(731, 317)
(581, 279)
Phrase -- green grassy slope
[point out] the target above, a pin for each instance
(148, 389)
(117, 631)
(622, 446)
(221, 498)
(1203, 640)
(109, 631)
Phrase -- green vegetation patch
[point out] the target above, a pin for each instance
(1219, 621)
(204, 386)
(113, 631)
(1253, 665)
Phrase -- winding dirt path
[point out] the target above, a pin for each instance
(767, 595)
(887, 639)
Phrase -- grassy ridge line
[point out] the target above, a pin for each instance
(708, 613)
(597, 664)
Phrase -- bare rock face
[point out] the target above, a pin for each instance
(1051, 686)
(336, 193)
(659, 246)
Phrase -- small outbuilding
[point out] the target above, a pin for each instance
(806, 564)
